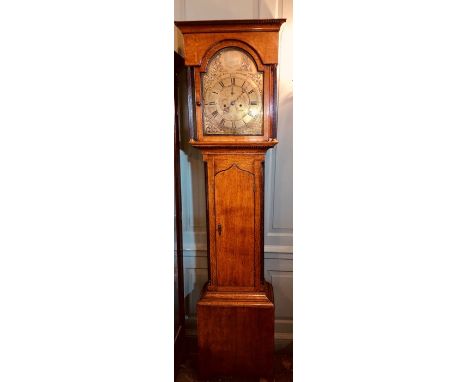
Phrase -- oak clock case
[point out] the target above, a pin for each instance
(232, 69)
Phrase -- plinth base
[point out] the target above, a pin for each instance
(236, 333)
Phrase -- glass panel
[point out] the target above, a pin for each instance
(232, 91)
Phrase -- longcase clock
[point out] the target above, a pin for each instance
(232, 69)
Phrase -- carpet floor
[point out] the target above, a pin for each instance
(283, 367)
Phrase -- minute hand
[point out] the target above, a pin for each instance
(238, 96)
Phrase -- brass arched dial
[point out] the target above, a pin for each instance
(232, 95)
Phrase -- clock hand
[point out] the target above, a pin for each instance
(232, 102)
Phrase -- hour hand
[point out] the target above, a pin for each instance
(240, 95)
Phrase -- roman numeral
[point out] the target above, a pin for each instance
(253, 102)
(250, 92)
(215, 92)
(211, 103)
(221, 83)
(233, 81)
(215, 113)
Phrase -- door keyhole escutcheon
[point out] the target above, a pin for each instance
(220, 229)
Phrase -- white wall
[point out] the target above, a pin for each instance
(278, 168)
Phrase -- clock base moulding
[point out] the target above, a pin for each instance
(236, 333)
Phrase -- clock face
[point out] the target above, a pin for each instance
(232, 91)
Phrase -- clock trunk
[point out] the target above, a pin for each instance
(234, 191)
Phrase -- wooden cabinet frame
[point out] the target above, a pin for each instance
(235, 314)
